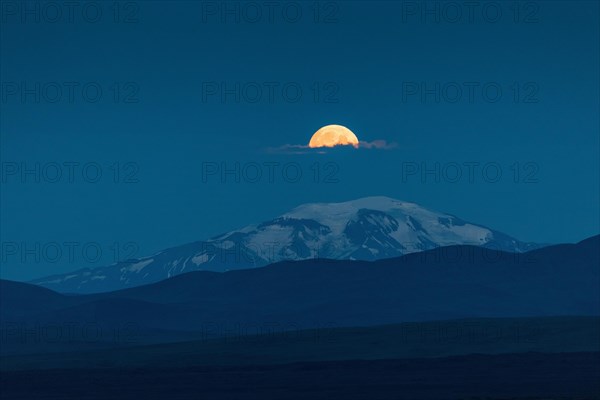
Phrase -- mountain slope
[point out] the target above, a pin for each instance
(444, 283)
(365, 229)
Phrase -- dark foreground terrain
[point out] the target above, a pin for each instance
(524, 358)
(508, 376)
(511, 328)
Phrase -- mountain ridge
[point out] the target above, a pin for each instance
(444, 283)
(368, 228)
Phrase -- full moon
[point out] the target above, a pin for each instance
(333, 135)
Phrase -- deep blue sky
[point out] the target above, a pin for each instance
(364, 59)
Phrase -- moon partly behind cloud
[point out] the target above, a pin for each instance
(333, 135)
(330, 136)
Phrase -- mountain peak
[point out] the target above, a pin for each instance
(373, 202)
(342, 210)
(367, 228)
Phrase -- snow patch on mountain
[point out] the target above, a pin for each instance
(369, 228)
(137, 267)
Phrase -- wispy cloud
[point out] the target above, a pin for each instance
(304, 149)
(289, 149)
(377, 144)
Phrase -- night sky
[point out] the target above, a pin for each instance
(159, 97)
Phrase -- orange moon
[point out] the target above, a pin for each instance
(333, 135)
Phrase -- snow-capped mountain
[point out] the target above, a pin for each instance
(365, 229)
